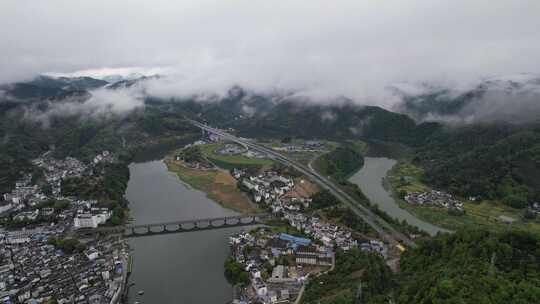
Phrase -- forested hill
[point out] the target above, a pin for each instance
(472, 267)
(257, 117)
(488, 160)
(43, 87)
(22, 140)
(340, 163)
(493, 160)
(510, 98)
(28, 126)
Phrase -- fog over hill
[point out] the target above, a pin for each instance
(319, 50)
(513, 99)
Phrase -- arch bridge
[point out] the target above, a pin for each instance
(179, 226)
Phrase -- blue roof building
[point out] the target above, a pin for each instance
(296, 240)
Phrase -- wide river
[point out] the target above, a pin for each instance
(182, 268)
(370, 181)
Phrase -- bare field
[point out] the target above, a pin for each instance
(218, 184)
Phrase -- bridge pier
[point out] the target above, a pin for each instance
(177, 227)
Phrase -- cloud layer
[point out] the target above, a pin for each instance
(99, 103)
(325, 48)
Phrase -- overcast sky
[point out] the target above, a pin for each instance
(352, 48)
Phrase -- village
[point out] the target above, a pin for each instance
(279, 193)
(434, 198)
(279, 264)
(40, 257)
(29, 202)
(34, 270)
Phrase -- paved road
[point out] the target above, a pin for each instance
(383, 228)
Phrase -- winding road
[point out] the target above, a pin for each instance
(382, 227)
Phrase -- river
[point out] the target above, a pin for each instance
(175, 268)
(370, 180)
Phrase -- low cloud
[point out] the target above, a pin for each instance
(510, 107)
(319, 49)
(100, 103)
(306, 49)
(328, 116)
(511, 98)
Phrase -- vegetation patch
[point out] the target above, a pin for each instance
(482, 214)
(341, 163)
(360, 146)
(354, 269)
(405, 178)
(472, 266)
(235, 273)
(67, 245)
(491, 161)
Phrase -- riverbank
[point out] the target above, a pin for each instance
(218, 184)
(370, 180)
(367, 188)
(404, 177)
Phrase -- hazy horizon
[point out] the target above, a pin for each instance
(347, 48)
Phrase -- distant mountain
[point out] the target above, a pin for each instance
(281, 114)
(493, 160)
(82, 83)
(469, 159)
(117, 78)
(43, 87)
(513, 99)
(127, 83)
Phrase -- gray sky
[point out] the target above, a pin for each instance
(352, 48)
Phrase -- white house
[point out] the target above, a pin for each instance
(88, 220)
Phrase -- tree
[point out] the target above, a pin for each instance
(323, 199)
(234, 272)
(67, 245)
(529, 214)
(516, 201)
(46, 189)
(60, 205)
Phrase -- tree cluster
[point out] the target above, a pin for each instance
(235, 273)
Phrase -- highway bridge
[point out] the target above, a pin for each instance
(178, 226)
(382, 227)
